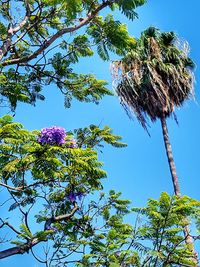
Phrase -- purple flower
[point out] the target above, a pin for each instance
(72, 196)
(54, 136)
(73, 143)
(49, 227)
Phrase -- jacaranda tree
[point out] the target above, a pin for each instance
(50, 175)
(40, 41)
(51, 169)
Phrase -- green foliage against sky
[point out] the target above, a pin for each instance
(52, 192)
(40, 180)
(41, 41)
(53, 176)
(21, 153)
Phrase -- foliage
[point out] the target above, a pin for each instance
(51, 163)
(164, 227)
(53, 175)
(53, 187)
(40, 41)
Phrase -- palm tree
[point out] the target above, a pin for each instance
(152, 80)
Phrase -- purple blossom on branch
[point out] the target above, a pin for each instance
(54, 136)
(72, 143)
(49, 227)
(72, 196)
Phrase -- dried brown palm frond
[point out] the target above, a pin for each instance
(155, 77)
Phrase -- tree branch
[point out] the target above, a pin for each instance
(24, 21)
(24, 187)
(19, 249)
(11, 31)
(9, 225)
(60, 217)
(31, 243)
(54, 37)
(20, 188)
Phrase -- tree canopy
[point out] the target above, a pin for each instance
(50, 185)
(155, 76)
(40, 41)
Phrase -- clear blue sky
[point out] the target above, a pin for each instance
(141, 170)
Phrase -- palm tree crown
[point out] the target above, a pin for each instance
(155, 77)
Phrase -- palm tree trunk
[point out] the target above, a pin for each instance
(170, 158)
(175, 181)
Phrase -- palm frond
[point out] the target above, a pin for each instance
(155, 77)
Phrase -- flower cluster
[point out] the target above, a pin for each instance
(72, 196)
(72, 143)
(54, 136)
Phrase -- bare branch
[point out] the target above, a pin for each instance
(19, 249)
(11, 31)
(60, 217)
(37, 258)
(20, 188)
(9, 225)
(31, 243)
(24, 21)
(24, 187)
